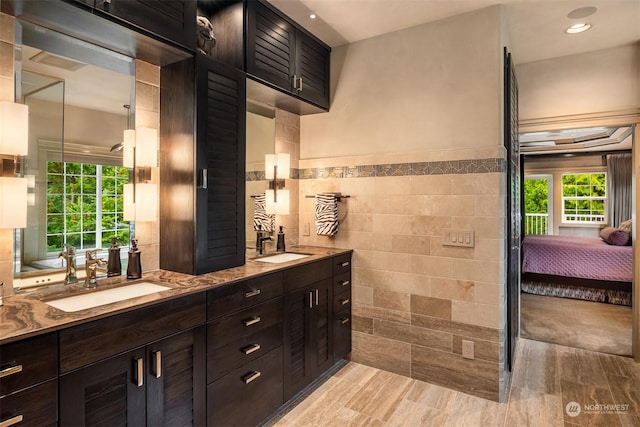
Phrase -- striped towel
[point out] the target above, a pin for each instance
(326, 214)
(260, 215)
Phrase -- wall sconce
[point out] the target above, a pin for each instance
(140, 152)
(276, 168)
(14, 142)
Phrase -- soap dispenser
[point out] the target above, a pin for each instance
(134, 268)
(280, 245)
(114, 266)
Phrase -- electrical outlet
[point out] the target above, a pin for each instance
(306, 229)
(468, 349)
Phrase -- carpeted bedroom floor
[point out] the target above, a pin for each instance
(574, 323)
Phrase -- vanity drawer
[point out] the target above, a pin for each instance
(341, 283)
(223, 331)
(342, 301)
(301, 276)
(241, 295)
(341, 263)
(247, 395)
(241, 351)
(35, 406)
(341, 334)
(27, 362)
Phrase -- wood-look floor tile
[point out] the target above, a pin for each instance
(410, 413)
(431, 395)
(529, 407)
(322, 404)
(468, 410)
(536, 367)
(345, 417)
(355, 373)
(581, 366)
(583, 394)
(620, 366)
(626, 391)
(628, 420)
(380, 396)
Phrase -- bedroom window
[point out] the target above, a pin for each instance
(538, 203)
(583, 198)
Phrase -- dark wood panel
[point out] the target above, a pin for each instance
(233, 400)
(245, 349)
(312, 64)
(342, 264)
(321, 338)
(176, 389)
(341, 283)
(33, 360)
(104, 394)
(37, 405)
(301, 276)
(342, 300)
(224, 330)
(93, 341)
(247, 293)
(227, 18)
(341, 334)
(297, 325)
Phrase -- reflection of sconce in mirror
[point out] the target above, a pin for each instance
(276, 168)
(14, 142)
(140, 152)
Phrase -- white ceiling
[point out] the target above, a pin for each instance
(536, 27)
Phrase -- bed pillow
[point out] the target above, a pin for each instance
(614, 236)
(626, 226)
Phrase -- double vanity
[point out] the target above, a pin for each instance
(224, 348)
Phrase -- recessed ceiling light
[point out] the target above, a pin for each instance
(578, 28)
(312, 16)
(582, 12)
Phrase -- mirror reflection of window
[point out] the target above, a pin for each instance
(79, 96)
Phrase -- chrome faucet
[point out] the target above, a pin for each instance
(260, 240)
(91, 265)
(68, 254)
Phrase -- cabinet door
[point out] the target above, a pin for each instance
(312, 67)
(220, 213)
(176, 380)
(174, 20)
(270, 46)
(108, 393)
(307, 336)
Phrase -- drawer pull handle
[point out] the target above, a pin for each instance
(11, 421)
(10, 371)
(317, 296)
(252, 293)
(344, 321)
(345, 301)
(310, 299)
(251, 376)
(158, 361)
(139, 371)
(251, 348)
(252, 321)
(344, 264)
(345, 283)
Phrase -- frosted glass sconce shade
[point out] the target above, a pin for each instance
(128, 147)
(147, 147)
(282, 161)
(14, 129)
(279, 206)
(143, 206)
(13, 208)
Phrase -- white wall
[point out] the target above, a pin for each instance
(600, 81)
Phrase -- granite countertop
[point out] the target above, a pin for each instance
(27, 314)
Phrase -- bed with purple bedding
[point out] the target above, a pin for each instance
(577, 267)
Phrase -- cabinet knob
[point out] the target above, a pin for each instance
(251, 348)
(11, 421)
(251, 376)
(10, 371)
(252, 293)
(251, 321)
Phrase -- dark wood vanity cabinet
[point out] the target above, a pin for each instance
(143, 366)
(173, 20)
(341, 306)
(29, 382)
(283, 55)
(202, 185)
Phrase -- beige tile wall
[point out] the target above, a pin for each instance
(288, 141)
(415, 300)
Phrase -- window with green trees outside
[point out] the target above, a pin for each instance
(85, 205)
(584, 198)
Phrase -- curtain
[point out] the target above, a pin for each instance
(619, 195)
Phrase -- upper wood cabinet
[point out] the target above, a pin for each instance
(281, 54)
(173, 20)
(202, 185)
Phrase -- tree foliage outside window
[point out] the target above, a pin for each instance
(85, 205)
(584, 198)
(536, 205)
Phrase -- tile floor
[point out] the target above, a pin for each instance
(547, 378)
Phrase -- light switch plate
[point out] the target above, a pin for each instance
(458, 237)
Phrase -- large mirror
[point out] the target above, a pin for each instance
(79, 97)
(260, 139)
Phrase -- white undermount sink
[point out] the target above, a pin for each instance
(283, 257)
(97, 298)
